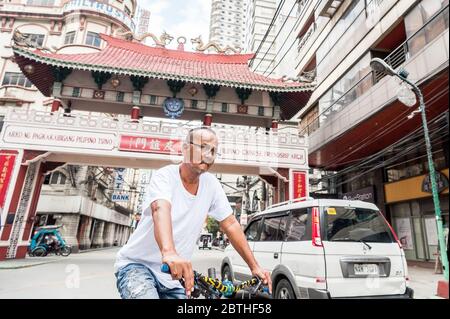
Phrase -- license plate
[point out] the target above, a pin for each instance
(366, 269)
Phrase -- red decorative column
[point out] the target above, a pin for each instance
(274, 125)
(56, 104)
(135, 113)
(22, 208)
(207, 120)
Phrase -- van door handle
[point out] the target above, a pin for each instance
(275, 255)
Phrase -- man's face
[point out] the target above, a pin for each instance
(201, 152)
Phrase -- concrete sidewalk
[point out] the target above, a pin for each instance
(424, 282)
(28, 262)
(36, 261)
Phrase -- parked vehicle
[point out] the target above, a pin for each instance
(324, 248)
(205, 241)
(46, 240)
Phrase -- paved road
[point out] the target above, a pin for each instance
(90, 275)
(80, 276)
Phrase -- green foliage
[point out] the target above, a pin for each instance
(212, 226)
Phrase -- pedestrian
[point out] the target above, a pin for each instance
(180, 197)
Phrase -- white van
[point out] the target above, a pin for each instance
(324, 248)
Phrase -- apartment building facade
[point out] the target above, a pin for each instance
(367, 143)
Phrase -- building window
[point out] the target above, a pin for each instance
(194, 104)
(120, 96)
(224, 107)
(93, 39)
(35, 39)
(70, 37)
(16, 78)
(153, 99)
(76, 92)
(354, 83)
(423, 14)
(260, 110)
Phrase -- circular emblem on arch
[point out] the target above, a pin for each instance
(173, 107)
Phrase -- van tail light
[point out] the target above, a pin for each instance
(316, 239)
(320, 280)
(392, 231)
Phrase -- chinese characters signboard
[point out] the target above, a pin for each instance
(6, 168)
(298, 184)
(150, 145)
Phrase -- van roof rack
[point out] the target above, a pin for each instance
(291, 201)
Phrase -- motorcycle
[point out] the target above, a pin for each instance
(46, 240)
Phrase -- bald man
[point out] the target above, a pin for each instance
(180, 197)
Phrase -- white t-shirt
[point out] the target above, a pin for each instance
(188, 216)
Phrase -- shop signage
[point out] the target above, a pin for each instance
(441, 181)
(6, 167)
(250, 153)
(118, 197)
(58, 138)
(148, 144)
(263, 153)
(298, 184)
(365, 194)
(103, 8)
(119, 181)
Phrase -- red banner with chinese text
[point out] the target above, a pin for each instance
(299, 186)
(150, 145)
(6, 168)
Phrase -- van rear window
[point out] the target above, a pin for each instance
(356, 224)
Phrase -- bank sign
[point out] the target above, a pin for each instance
(104, 8)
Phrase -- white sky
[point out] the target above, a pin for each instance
(188, 18)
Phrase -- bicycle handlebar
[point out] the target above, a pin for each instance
(215, 288)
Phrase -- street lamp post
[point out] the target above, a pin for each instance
(381, 66)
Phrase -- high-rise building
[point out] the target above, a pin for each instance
(269, 31)
(142, 18)
(228, 22)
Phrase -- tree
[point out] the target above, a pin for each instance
(213, 226)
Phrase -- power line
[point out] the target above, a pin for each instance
(401, 154)
(377, 135)
(369, 158)
(293, 42)
(414, 135)
(277, 12)
(411, 137)
(370, 136)
(276, 36)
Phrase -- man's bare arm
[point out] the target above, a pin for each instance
(231, 227)
(162, 219)
(179, 267)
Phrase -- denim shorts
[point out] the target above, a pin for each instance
(136, 281)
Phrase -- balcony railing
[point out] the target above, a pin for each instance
(395, 59)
